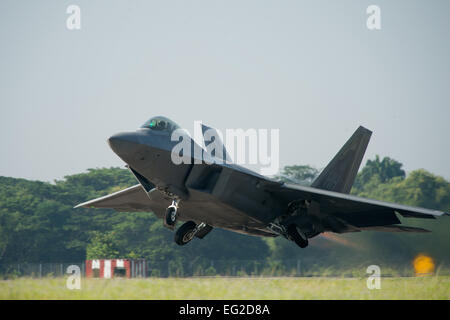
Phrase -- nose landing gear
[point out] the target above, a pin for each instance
(170, 218)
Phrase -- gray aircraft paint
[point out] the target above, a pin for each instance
(231, 197)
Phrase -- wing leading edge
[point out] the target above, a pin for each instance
(131, 199)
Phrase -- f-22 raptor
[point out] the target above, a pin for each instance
(228, 196)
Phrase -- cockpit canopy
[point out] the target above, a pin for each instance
(161, 124)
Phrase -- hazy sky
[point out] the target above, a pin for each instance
(310, 68)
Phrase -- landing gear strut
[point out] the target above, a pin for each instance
(170, 218)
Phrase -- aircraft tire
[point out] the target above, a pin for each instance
(185, 233)
(171, 216)
(296, 237)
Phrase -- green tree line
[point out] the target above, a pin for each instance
(38, 223)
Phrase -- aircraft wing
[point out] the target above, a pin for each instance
(348, 213)
(131, 199)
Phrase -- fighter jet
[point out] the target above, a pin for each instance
(220, 194)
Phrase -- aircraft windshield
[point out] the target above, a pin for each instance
(161, 124)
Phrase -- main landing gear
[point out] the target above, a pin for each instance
(296, 235)
(291, 232)
(188, 230)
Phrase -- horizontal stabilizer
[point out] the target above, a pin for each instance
(395, 228)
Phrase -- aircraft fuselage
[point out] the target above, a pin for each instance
(208, 193)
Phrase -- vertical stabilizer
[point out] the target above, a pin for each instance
(340, 173)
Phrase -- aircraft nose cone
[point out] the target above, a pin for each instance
(124, 144)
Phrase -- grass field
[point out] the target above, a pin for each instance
(431, 287)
